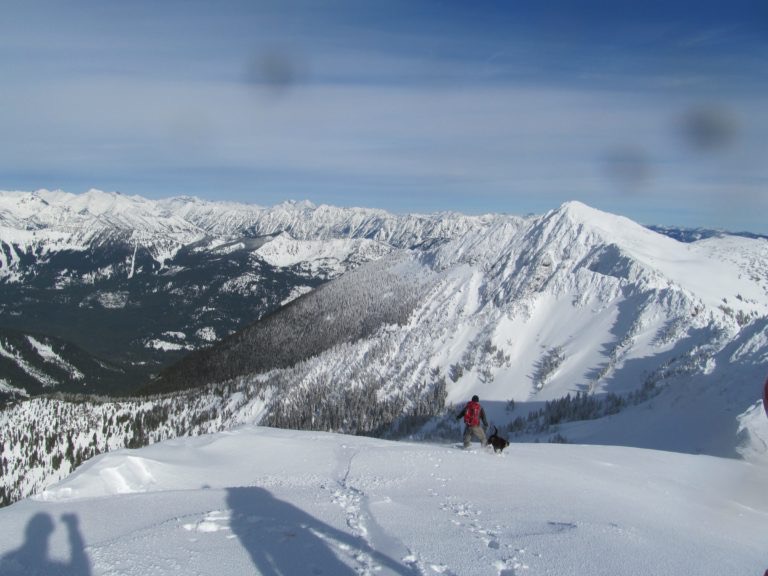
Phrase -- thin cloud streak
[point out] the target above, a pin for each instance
(474, 114)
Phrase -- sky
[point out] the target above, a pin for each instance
(654, 110)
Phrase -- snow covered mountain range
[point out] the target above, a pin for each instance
(138, 283)
(573, 326)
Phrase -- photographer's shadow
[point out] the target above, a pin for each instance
(282, 539)
(32, 559)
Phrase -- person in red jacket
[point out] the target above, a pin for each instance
(473, 413)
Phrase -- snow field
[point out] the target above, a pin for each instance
(266, 501)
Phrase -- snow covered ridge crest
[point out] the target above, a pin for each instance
(45, 221)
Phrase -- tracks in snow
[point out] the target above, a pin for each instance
(491, 545)
(386, 554)
(500, 556)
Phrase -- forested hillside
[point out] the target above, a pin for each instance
(356, 305)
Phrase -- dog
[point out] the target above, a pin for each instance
(497, 441)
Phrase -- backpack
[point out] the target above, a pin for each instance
(472, 414)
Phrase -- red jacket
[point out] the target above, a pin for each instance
(482, 413)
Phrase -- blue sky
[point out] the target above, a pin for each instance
(654, 110)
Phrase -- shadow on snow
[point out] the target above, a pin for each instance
(32, 558)
(283, 539)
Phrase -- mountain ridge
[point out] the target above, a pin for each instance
(569, 326)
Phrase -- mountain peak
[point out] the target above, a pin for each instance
(612, 227)
(298, 205)
(584, 214)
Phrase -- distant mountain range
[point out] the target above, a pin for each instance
(573, 326)
(140, 282)
(696, 234)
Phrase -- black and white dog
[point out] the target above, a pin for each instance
(497, 441)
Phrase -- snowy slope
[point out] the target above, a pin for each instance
(269, 502)
(321, 258)
(715, 269)
(34, 364)
(614, 297)
(574, 301)
(43, 222)
(710, 411)
(660, 335)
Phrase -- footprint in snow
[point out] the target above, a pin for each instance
(510, 567)
(214, 521)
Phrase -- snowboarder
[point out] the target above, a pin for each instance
(473, 413)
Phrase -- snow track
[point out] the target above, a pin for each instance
(362, 522)
(278, 503)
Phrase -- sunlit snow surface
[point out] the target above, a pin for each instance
(271, 502)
